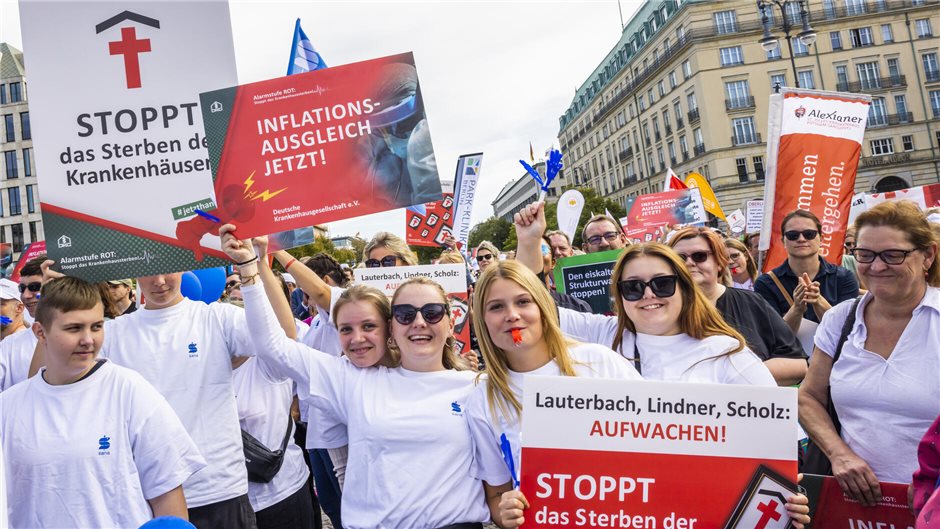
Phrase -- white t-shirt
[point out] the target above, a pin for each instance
(885, 405)
(409, 447)
(264, 402)
(90, 454)
(16, 353)
(186, 352)
(3, 492)
(323, 429)
(673, 358)
(591, 361)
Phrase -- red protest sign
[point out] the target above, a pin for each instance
(31, 252)
(830, 507)
(657, 454)
(431, 228)
(649, 215)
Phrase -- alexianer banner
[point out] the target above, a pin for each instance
(320, 146)
(814, 142)
(117, 131)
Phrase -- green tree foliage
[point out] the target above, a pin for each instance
(322, 244)
(493, 229)
(592, 203)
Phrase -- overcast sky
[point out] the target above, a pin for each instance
(494, 75)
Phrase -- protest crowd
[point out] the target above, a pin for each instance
(388, 426)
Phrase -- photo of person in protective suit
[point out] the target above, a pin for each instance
(402, 167)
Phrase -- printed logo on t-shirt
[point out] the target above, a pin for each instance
(104, 446)
(193, 351)
(455, 408)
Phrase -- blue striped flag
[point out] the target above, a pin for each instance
(303, 56)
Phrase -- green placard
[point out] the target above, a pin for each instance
(587, 277)
(188, 210)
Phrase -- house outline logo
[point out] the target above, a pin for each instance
(215, 107)
(129, 46)
(64, 241)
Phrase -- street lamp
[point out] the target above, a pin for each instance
(769, 42)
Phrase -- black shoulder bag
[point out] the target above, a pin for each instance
(813, 460)
(263, 464)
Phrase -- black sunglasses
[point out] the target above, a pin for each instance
(231, 284)
(793, 235)
(662, 287)
(387, 261)
(33, 287)
(697, 257)
(431, 312)
(891, 257)
(487, 257)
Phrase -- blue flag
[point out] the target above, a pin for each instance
(303, 57)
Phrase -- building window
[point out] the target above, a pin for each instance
(806, 79)
(907, 142)
(738, 94)
(683, 146)
(34, 231)
(743, 131)
(24, 126)
(778, 79)
(882, 146)
(672, 152)
(16, 94)
(9, 158)
(31, 199)
(742, 169)
(842, 76)
(13, 194)
(17, 231)
(677, 108)
(931, 67)
(935, 103)
(686, 69)
(726, 22)
(673, 81)
(3, 94)
(854, 7)
(27, 163)
(662, 157)
(868, 75)
(886, 34)
(774, 54)
(900, 104)
(662, 88)
(835, 37)
(758, 167)
(798, 47)
(649, 96)
(894, 70)
(861, 37)
(923, 28)
(8, 127)
(691, 100)
(877, 112)
(731, 56)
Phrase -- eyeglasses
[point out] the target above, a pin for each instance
(484, 257)
(697, 257)
(33, 287)
(610, 236)
(891, 257)
(849, 246)
(634, 289)
(431, 312)
(231, 284)
(388, 260)
(793, 235)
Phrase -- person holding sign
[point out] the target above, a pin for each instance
(887, 371)
(89, 443)
(766, 334)
(408, 440)
(519, 335)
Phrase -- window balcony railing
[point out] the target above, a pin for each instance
(884, 120)
(745, 139)
(875, 83)
(679, 123)
(694, 116)
(739, 103)
(626, 153)
(699, 149)
(932, 75)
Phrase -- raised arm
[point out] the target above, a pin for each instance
(272, 287)
(530, 225)
(307, 280)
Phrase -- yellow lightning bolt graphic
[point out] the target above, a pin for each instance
(255, 195)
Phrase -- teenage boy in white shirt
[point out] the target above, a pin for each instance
(16, 350)
(88, 443)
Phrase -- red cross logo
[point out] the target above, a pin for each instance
(130, 47)
(768, 513)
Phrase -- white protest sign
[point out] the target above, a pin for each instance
(465, 188)
(737, 221)
(755, 215)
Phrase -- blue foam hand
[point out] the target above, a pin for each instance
(553, 166)
(5, 321)
(507, 457)
(533, 173)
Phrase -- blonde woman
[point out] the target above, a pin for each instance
(387, 249)
(743, 268)
(397, 418)
(518, 333)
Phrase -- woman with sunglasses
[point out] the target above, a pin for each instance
(409, 448)
(764, 331)
(520, 336)
(387, 249)
(804, 286)
(742, 267)
(487, 254)
(884, 385)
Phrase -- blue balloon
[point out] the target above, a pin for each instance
(190, 286)
(213, 283)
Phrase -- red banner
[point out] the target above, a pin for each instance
(830, 507)
(650, 215)
(31, 252)
(431, 228)
(814, 146)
